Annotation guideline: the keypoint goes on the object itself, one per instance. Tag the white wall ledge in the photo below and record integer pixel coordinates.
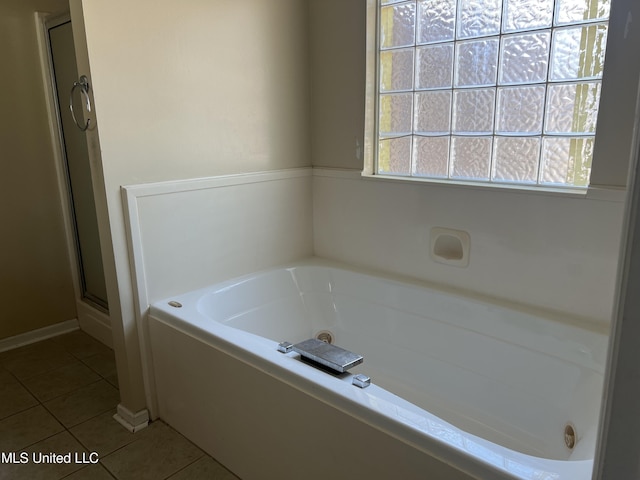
(596, 192)
(175, 186)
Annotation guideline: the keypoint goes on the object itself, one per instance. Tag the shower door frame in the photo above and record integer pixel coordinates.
(93, 316)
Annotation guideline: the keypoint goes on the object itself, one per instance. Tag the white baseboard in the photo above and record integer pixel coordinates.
(95, 323)
(38, 335)
(133, 422)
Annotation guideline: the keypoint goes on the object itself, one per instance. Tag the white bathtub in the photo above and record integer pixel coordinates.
(460, 387)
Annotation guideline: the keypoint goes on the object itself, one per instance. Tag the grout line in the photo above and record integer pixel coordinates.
(184, 468)
(83, 468)
(45, 438)
(70, 392)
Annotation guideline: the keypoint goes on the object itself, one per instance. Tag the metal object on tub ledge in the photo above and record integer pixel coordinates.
(335, 358)
(361, 380)
(285, 347)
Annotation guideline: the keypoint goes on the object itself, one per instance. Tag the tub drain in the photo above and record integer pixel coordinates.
(325, 336)
(570, 438)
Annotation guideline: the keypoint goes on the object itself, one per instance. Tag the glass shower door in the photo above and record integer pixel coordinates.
(81, 198)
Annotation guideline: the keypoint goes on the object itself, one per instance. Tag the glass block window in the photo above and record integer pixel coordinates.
(490, 90)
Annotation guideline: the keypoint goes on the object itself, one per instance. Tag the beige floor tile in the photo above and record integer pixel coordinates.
(35, 359)
(14, 397)
(62, 443)
(205, 468)
(104, 364)
(65, 374)
(60, 381)
(85, 403)
(92, 472)
(26, 428)
(80, 344)
(104, 435)
(113, 380)
(157, 456)
(44, 347)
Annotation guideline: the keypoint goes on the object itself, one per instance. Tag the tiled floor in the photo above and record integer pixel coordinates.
(59, 396)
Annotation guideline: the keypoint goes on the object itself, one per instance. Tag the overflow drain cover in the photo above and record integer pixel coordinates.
(325, 336)
(570, 436)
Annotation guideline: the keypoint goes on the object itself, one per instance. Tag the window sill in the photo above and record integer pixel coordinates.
(600, 193)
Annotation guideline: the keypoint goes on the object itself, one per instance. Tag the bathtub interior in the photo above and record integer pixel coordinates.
(511, 377)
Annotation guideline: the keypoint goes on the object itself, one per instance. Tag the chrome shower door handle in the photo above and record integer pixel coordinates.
(83, 84)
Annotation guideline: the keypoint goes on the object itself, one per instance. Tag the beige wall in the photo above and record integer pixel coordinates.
(183, 90)
(36, 287)
(337, 82)
(617, 117)
(199, 88)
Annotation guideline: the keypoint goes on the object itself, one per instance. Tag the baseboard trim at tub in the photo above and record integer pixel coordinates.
(95, 323)
(38, 335)
(134, 422)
